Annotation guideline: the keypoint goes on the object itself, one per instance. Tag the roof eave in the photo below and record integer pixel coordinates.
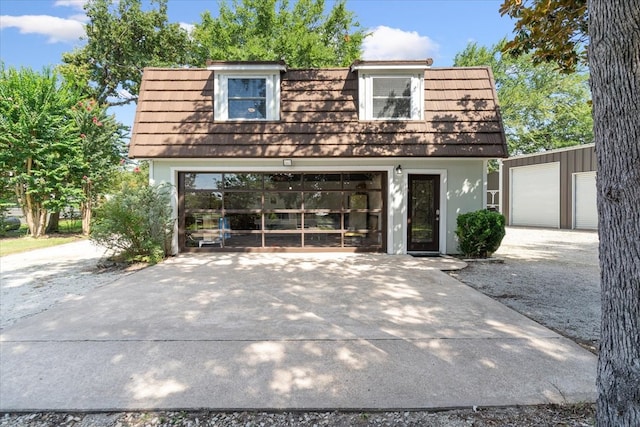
(422, 64)
(247, 66)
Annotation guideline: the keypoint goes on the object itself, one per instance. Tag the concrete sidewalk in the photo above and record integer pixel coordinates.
(248, 331)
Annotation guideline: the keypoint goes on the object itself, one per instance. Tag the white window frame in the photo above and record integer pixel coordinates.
(365, 89)
(221, 94)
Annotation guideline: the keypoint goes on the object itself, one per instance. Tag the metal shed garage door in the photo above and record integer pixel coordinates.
(535, 195)
(584, 201)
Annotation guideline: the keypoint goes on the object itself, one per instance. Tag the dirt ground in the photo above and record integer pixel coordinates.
(551, 276)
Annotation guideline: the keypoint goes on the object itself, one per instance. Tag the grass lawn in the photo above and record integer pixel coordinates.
(19, 240)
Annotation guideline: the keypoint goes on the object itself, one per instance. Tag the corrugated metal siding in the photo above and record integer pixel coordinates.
(572, 160)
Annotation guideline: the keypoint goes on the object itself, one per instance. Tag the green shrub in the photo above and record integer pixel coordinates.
(5, 225)
(480, 233)
(136, 223)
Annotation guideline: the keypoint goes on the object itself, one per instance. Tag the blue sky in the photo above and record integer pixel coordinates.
(35, 33)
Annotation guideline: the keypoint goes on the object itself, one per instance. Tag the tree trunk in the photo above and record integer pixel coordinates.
(85, 208)
(54, 222)
(34, 214)
(614, 62)
(41, 226)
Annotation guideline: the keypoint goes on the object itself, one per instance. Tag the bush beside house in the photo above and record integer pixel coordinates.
(480, 233)
(136, 223)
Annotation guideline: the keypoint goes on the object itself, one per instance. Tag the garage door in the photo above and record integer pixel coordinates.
(535, 195)
(584, 201)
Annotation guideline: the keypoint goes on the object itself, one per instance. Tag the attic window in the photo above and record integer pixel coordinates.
(247, 98)
(246, 91)
(391, 90)
(391, 97)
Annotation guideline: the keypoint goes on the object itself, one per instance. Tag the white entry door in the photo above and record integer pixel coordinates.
(535, 195)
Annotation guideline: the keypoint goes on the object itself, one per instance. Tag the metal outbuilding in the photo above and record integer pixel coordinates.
(555, 189)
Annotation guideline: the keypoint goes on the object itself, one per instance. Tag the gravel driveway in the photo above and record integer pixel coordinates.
(34, 281)
(551, 276)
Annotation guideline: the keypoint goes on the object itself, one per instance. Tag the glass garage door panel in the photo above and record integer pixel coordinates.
(283, 181)
(243, 181)
(325, 181)
(242, 201)
(282, 240)
(281, 210)
(282, 200)
(323, 200)
(202, 181)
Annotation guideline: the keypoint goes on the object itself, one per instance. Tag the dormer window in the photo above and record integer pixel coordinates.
(246, 98)
(391, 90)
(247, 91)
(391, 97)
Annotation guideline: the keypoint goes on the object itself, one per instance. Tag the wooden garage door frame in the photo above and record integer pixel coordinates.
(536, 201)
(585, 212)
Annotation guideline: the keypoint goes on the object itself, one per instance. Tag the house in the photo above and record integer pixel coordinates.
(555, 189)
(380, 156)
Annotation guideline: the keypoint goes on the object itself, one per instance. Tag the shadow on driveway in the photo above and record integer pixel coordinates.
(248, 331)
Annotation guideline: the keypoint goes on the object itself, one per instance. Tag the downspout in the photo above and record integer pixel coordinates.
(500, 194)
(485, 184)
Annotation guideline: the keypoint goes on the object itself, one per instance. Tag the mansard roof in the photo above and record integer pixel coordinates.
(318, 118)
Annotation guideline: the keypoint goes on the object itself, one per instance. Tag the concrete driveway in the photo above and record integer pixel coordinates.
(248, 331)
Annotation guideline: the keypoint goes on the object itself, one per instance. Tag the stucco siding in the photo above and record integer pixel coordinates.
(462, 185)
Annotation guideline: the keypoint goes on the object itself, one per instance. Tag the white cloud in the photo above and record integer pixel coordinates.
(76, 4)
(393, 43)
(123, 93)
(81, 17)
(187, 27)
(57, 29)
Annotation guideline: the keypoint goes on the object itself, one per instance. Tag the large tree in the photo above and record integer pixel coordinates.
(550, 30)
(56, 148)
(39, 149)
(122, 39)
(102, 149)
(303, 33)
(542, 108)
(614, 60)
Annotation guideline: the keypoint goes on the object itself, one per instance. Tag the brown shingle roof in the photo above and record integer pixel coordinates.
(318, 118)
